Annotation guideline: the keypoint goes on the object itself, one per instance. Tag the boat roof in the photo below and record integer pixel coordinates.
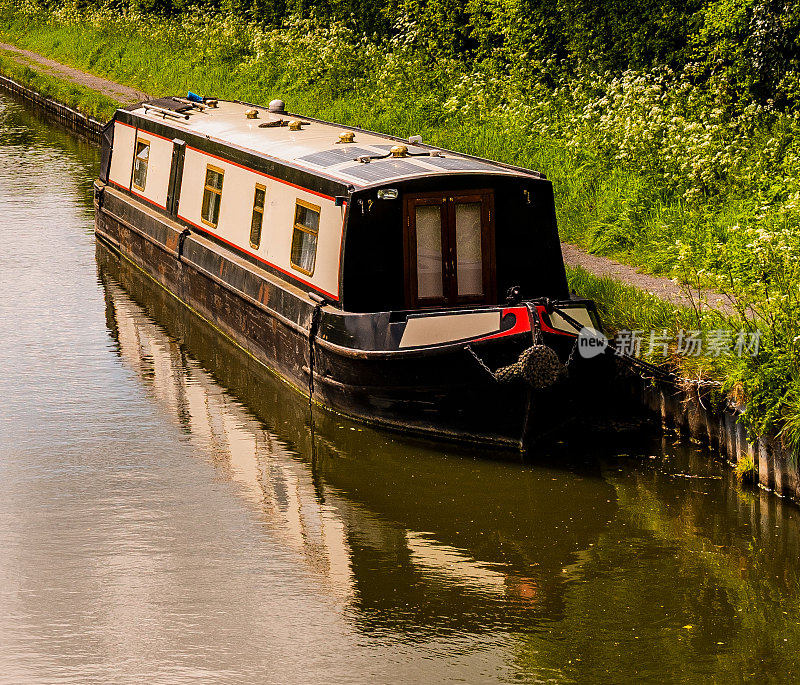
(316, 147)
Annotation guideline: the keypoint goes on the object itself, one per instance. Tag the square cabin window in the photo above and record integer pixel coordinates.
(212, 196)
(304, 237)
(258, 216)
(140, 160)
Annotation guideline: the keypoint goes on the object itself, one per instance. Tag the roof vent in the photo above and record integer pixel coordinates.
(295, 125)
(277, 107)
(251, 114)
(399, 151)
(347, 137)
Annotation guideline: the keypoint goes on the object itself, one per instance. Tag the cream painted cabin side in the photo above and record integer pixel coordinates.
(237, 198)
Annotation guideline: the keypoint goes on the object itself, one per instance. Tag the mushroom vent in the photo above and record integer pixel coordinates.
(277, 107)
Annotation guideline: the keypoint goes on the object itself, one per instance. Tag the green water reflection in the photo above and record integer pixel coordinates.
(650, 564)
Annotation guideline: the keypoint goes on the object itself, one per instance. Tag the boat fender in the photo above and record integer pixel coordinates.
(539, 366)
(185, 233)
(98, 194)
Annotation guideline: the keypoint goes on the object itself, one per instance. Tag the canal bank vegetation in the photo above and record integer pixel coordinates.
(83, 99)
(670, 130)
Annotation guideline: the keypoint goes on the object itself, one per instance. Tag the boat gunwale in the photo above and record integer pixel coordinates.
(440, 349)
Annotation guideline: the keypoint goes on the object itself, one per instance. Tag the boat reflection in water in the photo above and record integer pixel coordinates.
(406, 535)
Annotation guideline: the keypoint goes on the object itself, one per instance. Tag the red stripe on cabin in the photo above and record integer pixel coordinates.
(149, 133)
(133, 192)
(260, 259)
(152, 202)
(246, 168)
(261, 173)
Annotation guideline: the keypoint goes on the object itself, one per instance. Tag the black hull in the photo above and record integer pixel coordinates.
(441, 393)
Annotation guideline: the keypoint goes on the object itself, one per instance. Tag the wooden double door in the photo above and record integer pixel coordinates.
(449, 248)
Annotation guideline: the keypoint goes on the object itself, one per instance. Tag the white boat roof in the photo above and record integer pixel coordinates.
(316, 146)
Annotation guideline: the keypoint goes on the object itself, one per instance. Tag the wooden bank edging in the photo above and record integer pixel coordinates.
(717, 425)
(87, 126)
(683, 409)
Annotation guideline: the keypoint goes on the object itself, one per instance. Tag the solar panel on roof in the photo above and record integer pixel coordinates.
(328, 158)
(383, 168)
(411, 148)
(458, 164)
(171, 104)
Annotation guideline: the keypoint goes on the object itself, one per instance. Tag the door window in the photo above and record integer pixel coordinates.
(449, 249)
(469, 251)
(429, 252)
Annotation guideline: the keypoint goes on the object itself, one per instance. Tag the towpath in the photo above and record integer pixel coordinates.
(664, 288)
(116, 91)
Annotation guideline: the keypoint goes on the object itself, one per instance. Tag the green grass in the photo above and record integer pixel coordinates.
(746, 471)
(78, 97)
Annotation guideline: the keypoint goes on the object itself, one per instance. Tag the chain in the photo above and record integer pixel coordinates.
(571, 356)
(480, 361)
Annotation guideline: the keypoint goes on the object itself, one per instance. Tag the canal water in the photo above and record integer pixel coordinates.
(171, 513)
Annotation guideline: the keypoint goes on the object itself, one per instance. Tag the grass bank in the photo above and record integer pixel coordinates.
(78, 97)
(648, 167)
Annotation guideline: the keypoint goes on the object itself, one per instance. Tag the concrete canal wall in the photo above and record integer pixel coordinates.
(687, 410)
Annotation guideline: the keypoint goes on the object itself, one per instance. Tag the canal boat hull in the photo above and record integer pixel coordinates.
(443, 392)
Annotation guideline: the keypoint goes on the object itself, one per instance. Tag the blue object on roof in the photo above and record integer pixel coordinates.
(194, 97)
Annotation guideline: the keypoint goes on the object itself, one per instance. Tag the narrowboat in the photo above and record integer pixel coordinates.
(385, 279)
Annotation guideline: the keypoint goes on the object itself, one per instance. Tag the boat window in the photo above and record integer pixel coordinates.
(258, 216)
(140, 160)
(212, 196)
(429, 251)
(469, 256)
(304, 237)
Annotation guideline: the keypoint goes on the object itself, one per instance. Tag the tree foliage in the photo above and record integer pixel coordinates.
(755, 43)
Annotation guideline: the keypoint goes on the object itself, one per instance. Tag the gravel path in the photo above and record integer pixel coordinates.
(116, 91)
(664, 288)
